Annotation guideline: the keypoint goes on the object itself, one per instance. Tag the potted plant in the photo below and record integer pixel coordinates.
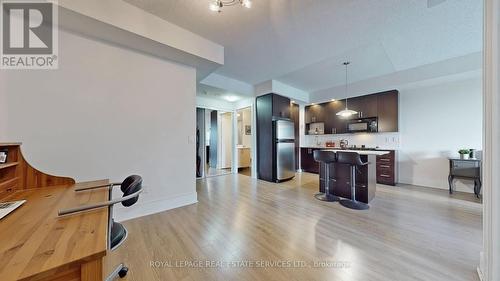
(464, 153)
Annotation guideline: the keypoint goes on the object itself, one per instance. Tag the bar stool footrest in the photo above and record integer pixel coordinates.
(355, 205)
(326, 197)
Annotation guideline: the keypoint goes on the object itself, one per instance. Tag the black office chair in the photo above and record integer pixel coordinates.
(327, 158)
(354, 161)
(131, 188)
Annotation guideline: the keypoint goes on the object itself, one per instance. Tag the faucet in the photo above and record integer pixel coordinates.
(344, 143)
(318, 143)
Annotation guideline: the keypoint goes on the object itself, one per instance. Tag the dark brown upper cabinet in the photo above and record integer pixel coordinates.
(388, 111)
(281, 106)
(366, 106)
(314, 113)
(333, 123)
(383, 105)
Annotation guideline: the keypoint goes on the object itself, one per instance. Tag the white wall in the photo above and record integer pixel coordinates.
(225, 142)
(274, 86)
(435, 122)
(106, 113)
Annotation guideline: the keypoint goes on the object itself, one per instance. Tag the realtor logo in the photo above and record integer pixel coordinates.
(29, 35)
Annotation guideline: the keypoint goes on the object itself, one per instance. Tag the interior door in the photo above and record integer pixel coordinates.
(213, 139)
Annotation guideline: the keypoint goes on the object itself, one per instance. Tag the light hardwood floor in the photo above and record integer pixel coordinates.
(409, 233)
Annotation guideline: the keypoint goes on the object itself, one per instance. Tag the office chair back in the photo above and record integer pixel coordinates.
(131, 185)
(117, 233)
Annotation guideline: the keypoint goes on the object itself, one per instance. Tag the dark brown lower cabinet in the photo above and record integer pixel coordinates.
(340, 180)
(307, 160)
(386, 165)
(386, 168)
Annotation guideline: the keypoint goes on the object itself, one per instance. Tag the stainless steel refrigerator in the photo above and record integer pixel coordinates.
(284, 142)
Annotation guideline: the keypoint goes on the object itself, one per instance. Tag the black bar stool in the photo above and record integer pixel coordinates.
(354, 161)
(327, 158)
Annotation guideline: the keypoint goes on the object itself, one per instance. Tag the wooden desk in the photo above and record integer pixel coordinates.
(36, 244)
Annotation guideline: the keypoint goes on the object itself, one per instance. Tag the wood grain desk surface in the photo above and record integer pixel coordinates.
(34, 241)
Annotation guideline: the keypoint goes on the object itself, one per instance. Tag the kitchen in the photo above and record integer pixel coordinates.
(275, 127)
(370, 125)
(375, 114)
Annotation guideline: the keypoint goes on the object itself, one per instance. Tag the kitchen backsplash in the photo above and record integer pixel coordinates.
(382, 140)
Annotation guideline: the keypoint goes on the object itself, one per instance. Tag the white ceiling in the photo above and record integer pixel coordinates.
(219, 93)
(304, 42)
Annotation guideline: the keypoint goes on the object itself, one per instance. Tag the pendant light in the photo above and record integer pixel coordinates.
(346, 112)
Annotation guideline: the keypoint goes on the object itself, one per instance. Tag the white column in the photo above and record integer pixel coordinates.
(489, 268)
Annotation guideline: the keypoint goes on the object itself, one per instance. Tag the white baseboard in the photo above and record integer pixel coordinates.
(152, 207)
(459, 186)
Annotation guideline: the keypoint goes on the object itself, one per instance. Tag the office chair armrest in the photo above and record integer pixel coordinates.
(98, 186)
(98, 205)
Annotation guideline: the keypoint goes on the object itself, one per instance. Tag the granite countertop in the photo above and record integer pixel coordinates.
(351, 148)
(360, 152)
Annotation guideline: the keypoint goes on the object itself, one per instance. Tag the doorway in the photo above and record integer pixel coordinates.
(214, 142)
(244, 142)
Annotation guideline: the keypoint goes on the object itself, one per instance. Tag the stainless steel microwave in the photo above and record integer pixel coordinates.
(363, 125)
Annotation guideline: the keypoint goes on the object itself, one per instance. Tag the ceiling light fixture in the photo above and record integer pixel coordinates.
(231, 98)
(346, 112)
(217, 5)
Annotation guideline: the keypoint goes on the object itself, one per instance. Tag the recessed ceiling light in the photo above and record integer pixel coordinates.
(214, 7)
(313, 103)
(246, 3)
(231, 98)
(293, 101)
(333, 99)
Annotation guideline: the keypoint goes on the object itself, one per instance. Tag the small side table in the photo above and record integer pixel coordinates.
(465, 169)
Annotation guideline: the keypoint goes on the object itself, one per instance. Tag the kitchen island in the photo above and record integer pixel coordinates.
(366, 178)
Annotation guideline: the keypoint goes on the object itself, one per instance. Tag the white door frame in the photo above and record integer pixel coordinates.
(253, 149)
(233, 144)
(489, 269)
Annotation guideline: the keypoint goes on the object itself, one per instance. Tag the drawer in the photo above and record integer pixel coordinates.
(465, 168)
(385, 175)
(386, 181)
(387, 158)
(385, 166)
(9, 185)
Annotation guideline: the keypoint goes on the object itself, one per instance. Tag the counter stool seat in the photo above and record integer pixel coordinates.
(327, 158)
(354, 161)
